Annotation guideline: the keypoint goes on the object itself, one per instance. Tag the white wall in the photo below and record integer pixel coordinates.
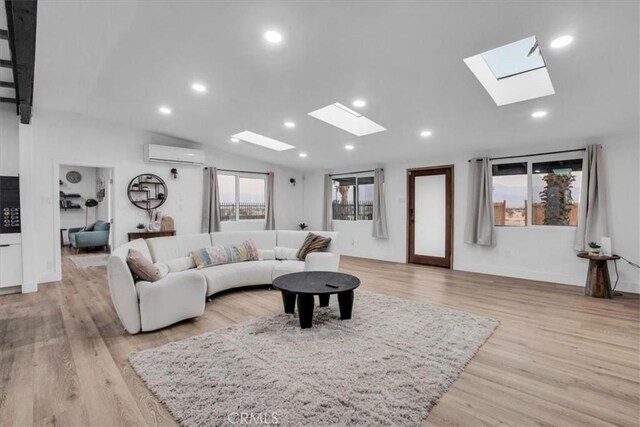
(61, 138)
(9, 121)
(539, 253)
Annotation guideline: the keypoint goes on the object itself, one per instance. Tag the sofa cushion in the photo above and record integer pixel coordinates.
(89, 227)
(164, 249)
(285, 253)
(266, 254)
(180, 264)
(141, 267)
(286, 267)
(263, 239)
(225, 254)
(227, 276)
(313, 243)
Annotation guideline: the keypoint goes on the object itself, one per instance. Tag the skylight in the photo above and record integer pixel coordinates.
(262, 141)
(512, 73)
(346, 119)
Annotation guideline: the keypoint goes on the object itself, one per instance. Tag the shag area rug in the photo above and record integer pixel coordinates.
(387, 366)
(84, 261)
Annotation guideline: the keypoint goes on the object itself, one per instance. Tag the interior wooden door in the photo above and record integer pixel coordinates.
(430, 216)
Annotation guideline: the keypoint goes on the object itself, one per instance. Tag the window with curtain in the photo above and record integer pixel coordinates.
(242, 196)
(352, 198)
(542, 191)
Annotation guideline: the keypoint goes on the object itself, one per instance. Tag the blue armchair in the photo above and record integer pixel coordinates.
(98, 236)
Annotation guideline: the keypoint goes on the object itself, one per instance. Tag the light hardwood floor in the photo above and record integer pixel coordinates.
(557, 358)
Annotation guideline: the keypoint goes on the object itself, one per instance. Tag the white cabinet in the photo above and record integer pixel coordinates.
(10, 260)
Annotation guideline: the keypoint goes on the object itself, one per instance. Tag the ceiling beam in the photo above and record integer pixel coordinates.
(10, 85)
(4, 35)
(21, 19)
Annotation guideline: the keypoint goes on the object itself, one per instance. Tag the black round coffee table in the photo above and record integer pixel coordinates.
(304, 285)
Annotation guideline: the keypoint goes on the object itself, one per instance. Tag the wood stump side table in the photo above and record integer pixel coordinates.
(598, 284)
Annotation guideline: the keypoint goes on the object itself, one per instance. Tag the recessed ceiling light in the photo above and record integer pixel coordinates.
(349, 147)
(538, 114)
(273, 37)
(425, 133)
(164, 110)
(290, 124)
(561, 41)
(235, 140)
(359, 103)
(302, 155)
(199, 87)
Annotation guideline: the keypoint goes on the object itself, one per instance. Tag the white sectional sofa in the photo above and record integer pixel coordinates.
(146, 306)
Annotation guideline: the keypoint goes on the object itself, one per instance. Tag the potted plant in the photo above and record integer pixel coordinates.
(140, 226)
(161, 196)
(135, 186)
(302, 226)
(594, 248)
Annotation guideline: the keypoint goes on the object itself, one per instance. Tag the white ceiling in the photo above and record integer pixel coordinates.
(119, 61)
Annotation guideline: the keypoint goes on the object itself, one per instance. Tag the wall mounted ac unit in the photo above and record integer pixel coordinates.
(167, 154)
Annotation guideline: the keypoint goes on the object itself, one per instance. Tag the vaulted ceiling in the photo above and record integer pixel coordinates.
(119, 61)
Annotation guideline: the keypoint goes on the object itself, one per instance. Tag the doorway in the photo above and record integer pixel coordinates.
(85, 209)
(430, 216)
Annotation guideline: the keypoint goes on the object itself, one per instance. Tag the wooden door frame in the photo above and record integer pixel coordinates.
(448, 259)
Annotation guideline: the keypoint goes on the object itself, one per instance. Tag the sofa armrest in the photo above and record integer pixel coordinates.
(91, 238)
(123, 293)
(175, 297)
(322, 261)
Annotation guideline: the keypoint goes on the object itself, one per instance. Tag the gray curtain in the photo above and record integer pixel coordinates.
(326, 215)
(592, 213)
(379, 206)
(479, 222)
(270, 223)
(210, 201)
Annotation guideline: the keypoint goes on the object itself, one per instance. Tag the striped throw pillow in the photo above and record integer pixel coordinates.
(313, 243)
(225, 254)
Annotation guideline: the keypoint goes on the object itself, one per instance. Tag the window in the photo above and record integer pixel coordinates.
(552, 183)
(353, 198)
(556, 192)
(242, 197)
(510, 194)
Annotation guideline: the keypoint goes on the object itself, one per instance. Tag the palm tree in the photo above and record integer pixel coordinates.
(557, 199)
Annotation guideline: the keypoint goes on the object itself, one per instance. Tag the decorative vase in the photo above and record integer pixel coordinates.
(594, 251)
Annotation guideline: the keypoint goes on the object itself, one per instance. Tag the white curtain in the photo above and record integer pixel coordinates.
(592, 213)
(326, 215)
(270, 223)
(210, 201)
(379, 206)
(479, 222)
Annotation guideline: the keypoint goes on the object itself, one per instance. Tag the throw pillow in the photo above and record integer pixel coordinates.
(162, 268)
(141, 267)
(225, 254)
(313, 243)
(89, 227)
(180, 264)
(282, 253)
(266, 254)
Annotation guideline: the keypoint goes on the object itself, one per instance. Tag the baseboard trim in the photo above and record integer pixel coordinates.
(565, 279)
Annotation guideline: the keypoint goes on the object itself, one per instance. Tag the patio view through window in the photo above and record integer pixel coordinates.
(353, 198)
(555, 192)
(241, 197)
